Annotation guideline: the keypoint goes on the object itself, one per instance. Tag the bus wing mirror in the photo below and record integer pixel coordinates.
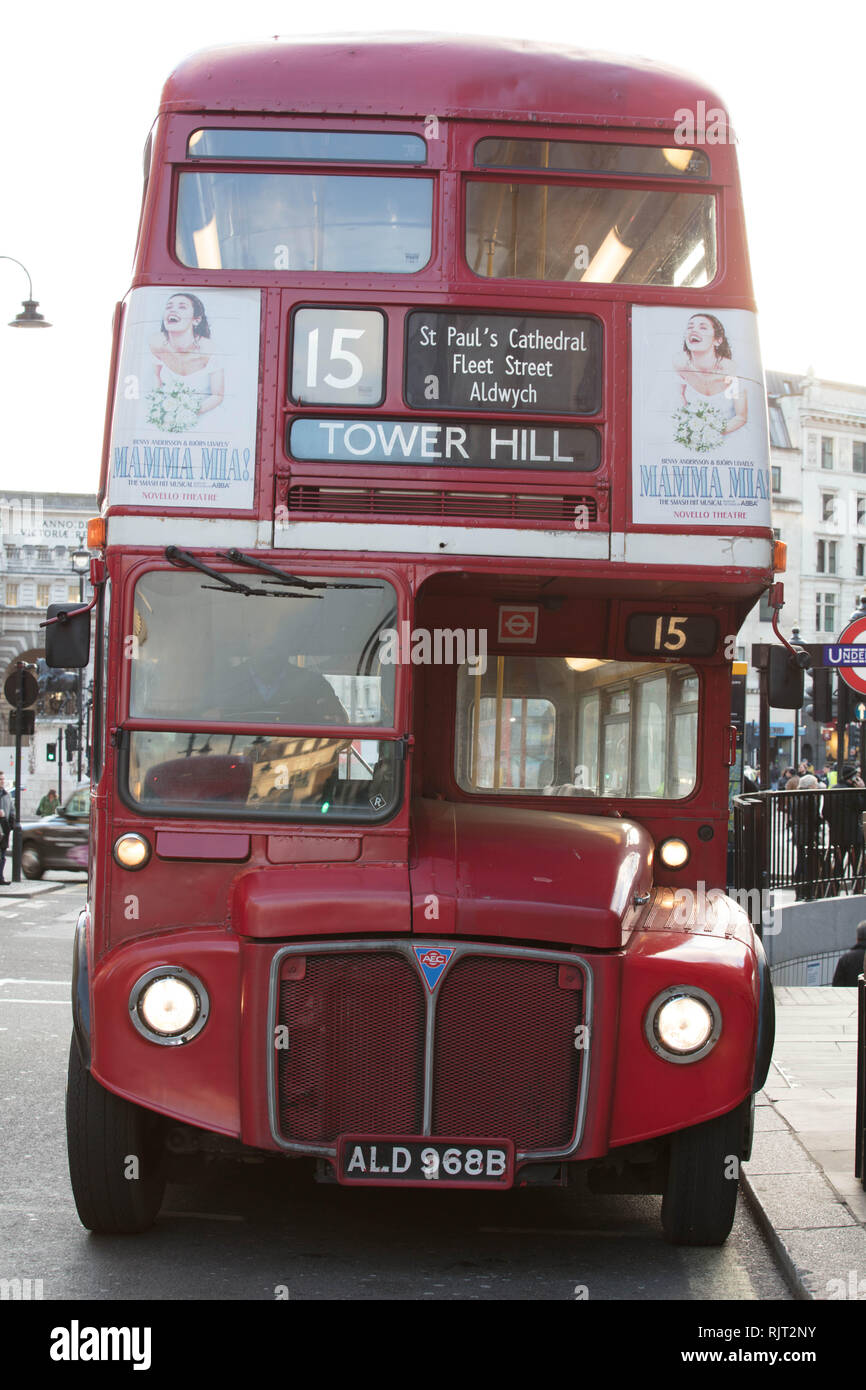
(67, 642)
(784, 680)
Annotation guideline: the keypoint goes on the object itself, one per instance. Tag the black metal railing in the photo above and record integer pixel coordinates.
(860, 1122)
(809, 841)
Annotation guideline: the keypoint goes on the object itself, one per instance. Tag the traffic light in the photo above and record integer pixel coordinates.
(819, 695)
(51, 752)
(785, 678)
(71, 740)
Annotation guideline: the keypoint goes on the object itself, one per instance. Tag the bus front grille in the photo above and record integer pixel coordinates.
(364, 1046)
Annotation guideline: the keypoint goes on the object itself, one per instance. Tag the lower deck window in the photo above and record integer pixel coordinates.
(282, 776)
(578, 726)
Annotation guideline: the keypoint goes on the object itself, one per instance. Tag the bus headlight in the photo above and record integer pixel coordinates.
(674, 853)
(683, 1023)
(131, 851)
(169, 1005)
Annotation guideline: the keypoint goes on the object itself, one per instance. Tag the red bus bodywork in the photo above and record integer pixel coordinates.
(551, 917)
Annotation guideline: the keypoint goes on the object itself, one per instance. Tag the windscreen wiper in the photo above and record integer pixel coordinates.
(225, 583)
(239, 558)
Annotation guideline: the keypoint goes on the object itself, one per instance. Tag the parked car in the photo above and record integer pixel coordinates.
(59, 841)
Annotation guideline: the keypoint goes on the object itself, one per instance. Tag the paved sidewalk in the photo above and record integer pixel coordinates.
(29, 887)
(801, 1173)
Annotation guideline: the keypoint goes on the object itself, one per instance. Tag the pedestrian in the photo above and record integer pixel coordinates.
(843, 817)
(804, 836)
(7, 820)
(48, 804)
(850, 965)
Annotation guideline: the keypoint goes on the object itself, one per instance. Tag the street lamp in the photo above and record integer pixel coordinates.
(856, 709)
(30, 318)
(80, 565)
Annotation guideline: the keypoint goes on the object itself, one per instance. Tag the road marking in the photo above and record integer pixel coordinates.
(17, 980)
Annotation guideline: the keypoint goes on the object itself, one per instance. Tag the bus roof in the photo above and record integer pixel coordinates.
(416, 75)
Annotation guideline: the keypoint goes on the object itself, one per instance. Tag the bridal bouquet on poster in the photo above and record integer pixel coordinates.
(173, 408)
(699, 427)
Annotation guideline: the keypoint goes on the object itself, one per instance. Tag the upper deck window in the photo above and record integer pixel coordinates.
(321, 146)
(304, 222)
(583, 156)
(627, 236)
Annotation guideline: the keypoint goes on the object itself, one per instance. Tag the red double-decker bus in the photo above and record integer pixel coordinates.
(435, 485)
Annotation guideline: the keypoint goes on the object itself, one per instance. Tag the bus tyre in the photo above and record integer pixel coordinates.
(700, 1195)
(115, 1156)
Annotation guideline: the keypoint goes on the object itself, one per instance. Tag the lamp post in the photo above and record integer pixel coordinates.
(80, 566)
(29, 318)
(860, 612)
(795, 742)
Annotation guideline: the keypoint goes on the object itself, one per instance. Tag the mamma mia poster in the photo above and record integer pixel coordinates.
(700, 449)
(184, 425)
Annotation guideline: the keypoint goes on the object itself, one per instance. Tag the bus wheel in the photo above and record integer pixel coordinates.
(700, 1195)
(115, 1156)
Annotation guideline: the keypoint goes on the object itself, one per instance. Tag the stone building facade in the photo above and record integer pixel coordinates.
(818, 475)
(38, 534)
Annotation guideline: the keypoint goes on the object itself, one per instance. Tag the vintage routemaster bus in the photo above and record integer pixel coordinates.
(435, 485)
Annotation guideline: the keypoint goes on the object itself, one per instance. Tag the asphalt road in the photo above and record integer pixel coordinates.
(267, 1231)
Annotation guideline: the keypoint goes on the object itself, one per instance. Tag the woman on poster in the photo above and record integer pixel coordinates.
(188, 381)
(714, 398)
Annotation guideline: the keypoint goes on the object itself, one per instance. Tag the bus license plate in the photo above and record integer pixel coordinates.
(424, 1162)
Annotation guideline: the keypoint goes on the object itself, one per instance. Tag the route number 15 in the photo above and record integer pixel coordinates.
(670, 634)
(338, 357)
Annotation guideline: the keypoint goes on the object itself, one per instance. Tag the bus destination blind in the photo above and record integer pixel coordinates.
(446, 443)
(537, 363)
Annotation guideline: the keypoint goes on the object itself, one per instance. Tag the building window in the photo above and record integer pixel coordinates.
(861, 509)
(776, 478)
(72, 593)
(43, 595)
(825, 612)
(828, 506)
(11, 595)
(826, 559)
(829, 612)
(741, 654)
(858, 563)
(826, 451)
(858, 455)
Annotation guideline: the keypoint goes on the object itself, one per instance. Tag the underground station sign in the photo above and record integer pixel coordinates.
(537, 363)
(848, 655)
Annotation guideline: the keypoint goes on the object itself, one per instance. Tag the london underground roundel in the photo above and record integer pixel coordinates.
(848, 655)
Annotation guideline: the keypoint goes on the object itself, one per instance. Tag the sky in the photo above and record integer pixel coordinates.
(80, 85)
